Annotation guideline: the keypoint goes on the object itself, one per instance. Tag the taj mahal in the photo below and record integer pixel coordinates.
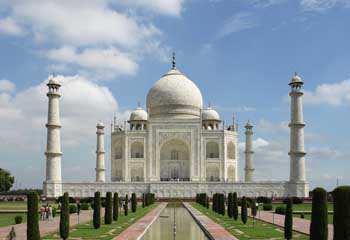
(175, 148)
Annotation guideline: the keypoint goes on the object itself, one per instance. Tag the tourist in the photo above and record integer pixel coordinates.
(12, 234)
(42, 213)
(50, 217)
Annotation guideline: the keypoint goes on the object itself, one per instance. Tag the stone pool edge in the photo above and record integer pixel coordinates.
(138, 229)
(211, 229)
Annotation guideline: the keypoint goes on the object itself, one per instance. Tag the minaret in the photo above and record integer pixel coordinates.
(248, 153)
(100, 154)
(296, 125)
(53, 146)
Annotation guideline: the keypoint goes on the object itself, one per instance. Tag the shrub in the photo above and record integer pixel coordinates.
(244, 212)
(253, 208)
(267, 206)
(235, 206)
(143, 200)
(230, 205)
(295, 200)
(319, 217)
(73, 208)
(207, 202)
(18, 219)
(341, 216)
(288, 220)
(302, 215)
(32, 217)
(280, 210)
(97, 210)
(126, 205)
(85, 206)
(108, 208)
(64, 218)
(54, 212)
(115, 206)
(262, 199)
(133, 202)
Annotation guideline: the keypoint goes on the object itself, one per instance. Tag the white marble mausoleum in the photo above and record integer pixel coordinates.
(175, 147)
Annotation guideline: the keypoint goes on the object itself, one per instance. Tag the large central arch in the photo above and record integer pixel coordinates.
(174, 161)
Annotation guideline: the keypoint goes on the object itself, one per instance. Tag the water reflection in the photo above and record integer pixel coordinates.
(186, 227)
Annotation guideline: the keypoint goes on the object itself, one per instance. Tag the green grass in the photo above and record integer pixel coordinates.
(302, 206)
(7, 219)
(308, 216)
(258, 230)
(106, 232)
(13, 205)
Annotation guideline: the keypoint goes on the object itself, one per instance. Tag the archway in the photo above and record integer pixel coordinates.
(231, 173)
(174, 161)
(137, 150)
(231, 150)
(212, 150)
(213, 173)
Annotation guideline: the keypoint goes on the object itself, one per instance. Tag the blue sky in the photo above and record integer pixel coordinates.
(241, 54)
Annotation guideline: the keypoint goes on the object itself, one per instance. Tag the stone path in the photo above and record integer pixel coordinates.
(138, 229)
(299, 224)
(211, 228)
(46, 227)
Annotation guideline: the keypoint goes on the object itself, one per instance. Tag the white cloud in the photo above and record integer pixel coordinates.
(6, 86)
(322, 5)
(9, 26)
(266, 3)
(236, 23)
(334, 94)
(168, 7)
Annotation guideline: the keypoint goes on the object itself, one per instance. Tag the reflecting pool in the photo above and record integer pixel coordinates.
(163, 227)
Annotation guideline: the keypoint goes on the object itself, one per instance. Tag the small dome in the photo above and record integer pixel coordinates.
(53, 81)
(296, 79)
(139, 115)
(100, 125)
(174, 96)
(210, 114)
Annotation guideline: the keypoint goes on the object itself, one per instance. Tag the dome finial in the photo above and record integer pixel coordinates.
(138, 103)
(173, 61)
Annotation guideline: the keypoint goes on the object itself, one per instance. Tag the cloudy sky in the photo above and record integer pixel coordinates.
(241, 54)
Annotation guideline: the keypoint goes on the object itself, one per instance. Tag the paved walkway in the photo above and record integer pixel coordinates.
(299, 224)
(138, 229)
(211, 228)
(46, 227)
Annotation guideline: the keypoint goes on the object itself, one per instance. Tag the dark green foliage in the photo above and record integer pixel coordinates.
(25, 191)
(18, 219)
(262, 199)
(143, 200)
(244, 211)
(288, 220)
(64, 218)
(97, 210)
(341, 217)
(222, 204)
(73, 208)
(60, 199)
(280, 210)
(253, 208)
(230, 205)
(267, 206)
(207, 202)
(201, 198)
(213, 207)
(133, 202)
(32, 217)
(115, 206)
(6, 180)
(126, 205)
(149, 199)
(235, 206)
(108, 208)
(295, 200)
(319, 217)
(85, 206)
(218, 203)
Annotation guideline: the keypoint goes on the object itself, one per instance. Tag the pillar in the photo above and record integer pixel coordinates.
(100, 154)
(296, 125)
(248, 170)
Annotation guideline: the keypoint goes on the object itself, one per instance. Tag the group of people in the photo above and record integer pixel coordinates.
(46, 212)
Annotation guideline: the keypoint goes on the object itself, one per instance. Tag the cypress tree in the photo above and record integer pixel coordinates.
(97, 210)
(33, 232)
(115, 206)
(244, 213)
(213, 205)
(133, 202)
(288, 220)
(126, 205)
(319, 217)
(207, 202)
(235, 206)
(222, 204)
(341, 216)
(108, 208)
(143, 200)
(64, 217)
(230, 205)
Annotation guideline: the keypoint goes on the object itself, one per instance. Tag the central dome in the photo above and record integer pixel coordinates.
(174, 96)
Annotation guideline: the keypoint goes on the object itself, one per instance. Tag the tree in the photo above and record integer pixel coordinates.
(235, 206)
(115, 206)
(108, 208)
(64, 217)
(288, 220)
(341, 215)
(207, 202)
(230, 205)
(6, 180)
(126, 205)
(143, 200)
(253, 209)
(319, 217)
(97, 210)
(33, 232)
(244, 212)
(133, 202)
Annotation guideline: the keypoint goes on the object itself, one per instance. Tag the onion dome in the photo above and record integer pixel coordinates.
(100, 125)
(139, 115)
(210, 114)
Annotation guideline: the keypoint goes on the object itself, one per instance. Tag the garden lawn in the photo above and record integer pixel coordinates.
(302, 206)
(20, 205)
(308, 216)
(258, 230)
(7, 219)
(106, 232)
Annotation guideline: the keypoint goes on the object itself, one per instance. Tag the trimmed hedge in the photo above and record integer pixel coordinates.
(85, 206)
(244, 211)
(235, 206)
(73, 208)
(97, 210)
(280, 210)
(230, 205)
(108, 208)
(267, 206)
(319, 216)
(115, 206)
(341, 216)
(133, 202)
(18, 219)
(64, 218)
(126, 205)
(288, 220)
(33, 232)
